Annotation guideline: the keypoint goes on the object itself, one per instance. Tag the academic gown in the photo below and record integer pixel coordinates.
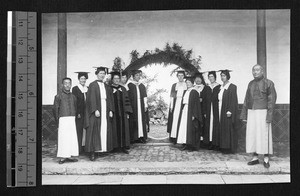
(80, 96)
(193, 127)
(228, 126)
(120, 120)
(133, 118)
(171, 115)
(201, 91)
(93, 103)
(210, 99)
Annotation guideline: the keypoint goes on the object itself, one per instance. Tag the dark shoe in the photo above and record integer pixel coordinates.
(125, 151)
(127, 147)
(183, 148)
(254, 162)
(72, 160)
(266, 164)
(92, 157)
(210, 147)
(61, 161)
(142, 140)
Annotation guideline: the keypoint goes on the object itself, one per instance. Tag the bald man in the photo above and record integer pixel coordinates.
(258, 113)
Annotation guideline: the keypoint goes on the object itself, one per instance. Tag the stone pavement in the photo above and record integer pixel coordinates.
(162, 158)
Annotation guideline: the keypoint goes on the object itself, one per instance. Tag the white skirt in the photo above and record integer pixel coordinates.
(176, 111)
(258, 133)
(182, 132)
(67, 137)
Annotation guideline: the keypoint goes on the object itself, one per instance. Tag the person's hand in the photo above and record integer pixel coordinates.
(228, 115)
(97, 113)
(110, 114)
(204, 115)
(127, 116)
(146, 109)
(193, 117)
(78, 116)
(201, 100)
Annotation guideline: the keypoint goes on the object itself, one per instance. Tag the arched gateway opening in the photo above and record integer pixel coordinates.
(171, 55)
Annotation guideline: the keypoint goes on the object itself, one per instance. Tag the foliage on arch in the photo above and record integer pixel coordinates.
(174, 54)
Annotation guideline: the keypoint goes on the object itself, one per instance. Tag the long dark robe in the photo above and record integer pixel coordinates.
(133, 118)
(228, 131)
(80, 110)
(193, 126)
(201, 97)
(211, 97)
(93, 103)
(170, 115)
(120, 120)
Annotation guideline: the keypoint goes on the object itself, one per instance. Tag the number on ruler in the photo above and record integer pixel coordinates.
(31, 93)
(20, 23)
(30, 183)
(20, 150)
(20, 78)
(31, 139)
(20, 60)
(20, 42)
(20, 168)
(30, 48)
(20, 96)
(20, 115)
(20, 132)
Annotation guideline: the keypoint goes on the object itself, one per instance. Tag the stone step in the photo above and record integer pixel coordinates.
(165, 168)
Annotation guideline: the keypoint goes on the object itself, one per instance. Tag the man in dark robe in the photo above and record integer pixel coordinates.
(228, 112)
(211, 113)
(80, 92)
(190, 118)
(177, 91)
(138, 119)
(122, 111)
(64, 113)
(258, 111)
(100, 109)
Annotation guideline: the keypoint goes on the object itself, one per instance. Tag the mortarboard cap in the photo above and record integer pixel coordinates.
(101, 68)
(82, 73)
(115, 73)
(226, 72)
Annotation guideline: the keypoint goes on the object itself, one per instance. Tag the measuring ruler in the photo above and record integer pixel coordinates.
(21, 132)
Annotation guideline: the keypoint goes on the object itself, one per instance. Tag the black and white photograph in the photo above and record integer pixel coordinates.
(166, 97)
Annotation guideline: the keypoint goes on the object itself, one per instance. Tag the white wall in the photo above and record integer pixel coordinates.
(224, 39)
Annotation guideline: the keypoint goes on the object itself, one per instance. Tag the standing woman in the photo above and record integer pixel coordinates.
(177, 91)
(138, 99)
(190, 118)
(199, 87)
(228, 109)
(211, 112)
(122, 111)
(124, 79)
(80, 93)
(100, 109)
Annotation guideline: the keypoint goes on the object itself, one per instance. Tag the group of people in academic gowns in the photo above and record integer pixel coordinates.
(205, 115)
(105, 117)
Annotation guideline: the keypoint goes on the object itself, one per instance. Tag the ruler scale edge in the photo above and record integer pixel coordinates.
(22, 148)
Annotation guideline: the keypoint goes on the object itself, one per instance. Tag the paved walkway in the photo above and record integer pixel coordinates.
(164, 158)
(162, 179)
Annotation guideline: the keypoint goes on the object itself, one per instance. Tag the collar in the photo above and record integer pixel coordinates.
(66, 92)
(226, 86)
(83, 89)
(259, 79)
(100, 81)
(135, 82)
(213, 85)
